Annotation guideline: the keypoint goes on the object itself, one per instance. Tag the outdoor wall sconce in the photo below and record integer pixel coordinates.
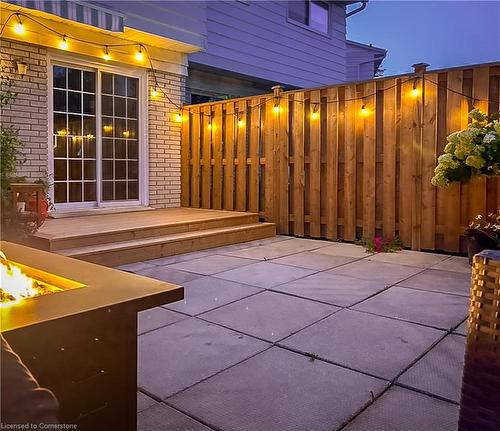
(22, 68)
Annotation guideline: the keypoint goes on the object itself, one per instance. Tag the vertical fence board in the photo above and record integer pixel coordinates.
(269, 171)
(195, 158)
(351, 114)
(389, 160)
(206, 170)
(253, 174)
(452, 195)
(314, 166)
(298, 163)
(229, 142)
(283, 160)
(241, 167)
(217, 158)
(185, 164)
(369, 162)
(332, 164)
(429, 156)
(417, 153)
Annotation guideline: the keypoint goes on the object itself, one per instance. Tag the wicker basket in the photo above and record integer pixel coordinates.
(480, 401)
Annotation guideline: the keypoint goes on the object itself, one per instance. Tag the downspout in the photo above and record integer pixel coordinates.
(359, 9)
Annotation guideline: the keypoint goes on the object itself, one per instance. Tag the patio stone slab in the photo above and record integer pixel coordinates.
(410, 258)
(165, 418)
(429, 308)
(265, 274)
(279, 390)
(439, 372)
(457, 283)
(372, 344)
(144, 402)
(268, 315)
(168, 274)
(342, 249)
(244, 245)
(206, 293)
(333, 289)
(454, 263)
(387, 273)
(462, 328)
(168, 260)
(177, 356)
(211, 264)
(310, 260)
(137, 266)
(155, 318)
(400, 409)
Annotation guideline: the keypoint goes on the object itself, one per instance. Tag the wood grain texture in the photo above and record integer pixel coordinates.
(314, 165)
(352, 115)
(217, 158)
(298, 165)
(369, 160)
(332, 163)
(185, 163)
(229, 144)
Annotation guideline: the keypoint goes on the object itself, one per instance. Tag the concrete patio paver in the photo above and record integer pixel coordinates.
(168, 260)
(429, 308)
(268, 315)
(144, 402)
(333, 289)
(376, 345)
(400, 409)
(387, 273)
(343, 249)
(177, 356)
(170, 275)
(265, 274)
(161, 417)
(279, 390)
(409, 258)
(462, 328)
(206, 293)
(155, 318)
(137, 266)
(454, 263)
(439, 281)
(439, 372)
(311, 260)
(211, 264)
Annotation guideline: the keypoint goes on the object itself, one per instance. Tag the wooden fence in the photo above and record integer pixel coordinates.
(346, 161)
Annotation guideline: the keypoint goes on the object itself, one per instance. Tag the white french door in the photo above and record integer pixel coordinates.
(97, 137)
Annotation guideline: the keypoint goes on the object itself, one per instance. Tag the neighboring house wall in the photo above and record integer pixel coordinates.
(363, 61)
(257, 39)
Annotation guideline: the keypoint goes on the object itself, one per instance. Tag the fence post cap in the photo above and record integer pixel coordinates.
(420, 67)
(277, 89)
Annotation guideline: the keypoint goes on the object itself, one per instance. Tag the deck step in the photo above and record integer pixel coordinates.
(111, 233)
(139, 249)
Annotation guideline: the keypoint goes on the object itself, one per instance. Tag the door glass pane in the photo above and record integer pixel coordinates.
(74, 142)
(120, 148)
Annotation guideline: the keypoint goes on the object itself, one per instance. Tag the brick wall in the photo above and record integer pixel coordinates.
(29, 111)
(165, 141)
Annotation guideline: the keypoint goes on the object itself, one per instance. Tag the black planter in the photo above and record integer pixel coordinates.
(477, 241)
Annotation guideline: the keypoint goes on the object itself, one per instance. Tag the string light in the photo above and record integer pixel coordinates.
(415, 92)
(276, 108)
(154, 92)
(241, 123)
(139, 56)
(106, 55)
(314, 113)
(364, 112)
(18, 26)
(63, 44)
(178, 118)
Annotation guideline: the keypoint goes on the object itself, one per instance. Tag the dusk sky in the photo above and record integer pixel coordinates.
(441, 33)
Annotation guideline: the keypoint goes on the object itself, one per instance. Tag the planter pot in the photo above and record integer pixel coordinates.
(42, 210)
(477, 241)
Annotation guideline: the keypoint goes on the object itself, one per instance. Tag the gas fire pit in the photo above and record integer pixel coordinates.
(74, 324)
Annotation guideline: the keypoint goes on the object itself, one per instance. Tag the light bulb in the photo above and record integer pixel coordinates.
(154, 93)
(364, 111)
(415, 92)
(209, 126)
(178, 118)
(18, 26)
(106, 55)
(241, 123)
(63, 44)
(314, 116)
(276, 109)
(139, 56)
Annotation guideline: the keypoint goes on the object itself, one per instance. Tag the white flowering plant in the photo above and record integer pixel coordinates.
(470, 152)
(489, 225)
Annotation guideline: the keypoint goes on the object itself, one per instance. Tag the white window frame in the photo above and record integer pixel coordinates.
(308, 27)
(84, 63)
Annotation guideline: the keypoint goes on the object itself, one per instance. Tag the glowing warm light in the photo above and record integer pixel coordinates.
(139, 56)
(90, 136)
(364, 112)
(18, 27)
(107, 128)
(241, 123)
(106, 55)
(276, 109)
(415, 92)
(178, 118)
(62, 132)
(14, 284)
(210, 126)
(63, 44)
(314, 115)
(126, 134)
(154, 93)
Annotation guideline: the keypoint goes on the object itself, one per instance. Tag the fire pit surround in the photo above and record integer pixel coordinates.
(77, 331)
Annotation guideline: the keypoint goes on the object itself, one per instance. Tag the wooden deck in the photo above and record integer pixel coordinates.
(114, 239)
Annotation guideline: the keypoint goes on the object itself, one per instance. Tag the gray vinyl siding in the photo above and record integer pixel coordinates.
(183, 21)
(361, 62)
(256, 39)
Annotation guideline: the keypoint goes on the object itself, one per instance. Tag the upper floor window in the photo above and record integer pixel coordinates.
(314, 14)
